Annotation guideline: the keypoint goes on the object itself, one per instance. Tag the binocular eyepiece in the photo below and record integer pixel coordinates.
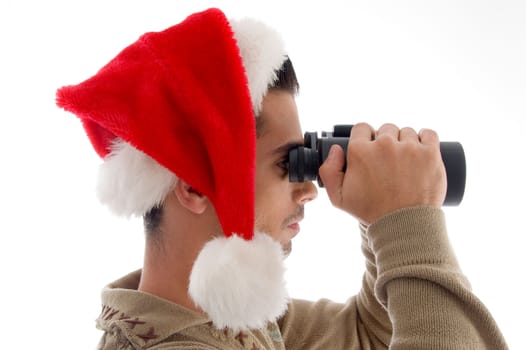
(305, 161)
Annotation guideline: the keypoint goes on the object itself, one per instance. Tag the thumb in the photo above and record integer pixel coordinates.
(331, 174)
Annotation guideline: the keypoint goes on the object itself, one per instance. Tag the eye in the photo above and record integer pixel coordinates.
(283, 164)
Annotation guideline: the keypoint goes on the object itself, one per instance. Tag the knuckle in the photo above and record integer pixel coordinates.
(389, 126)
(385, 142)
(408, 129)
(362, 125)
(428, 132)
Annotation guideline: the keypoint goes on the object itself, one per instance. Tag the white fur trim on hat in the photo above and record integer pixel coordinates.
(240, 284)
(130, 182)
(263, 52)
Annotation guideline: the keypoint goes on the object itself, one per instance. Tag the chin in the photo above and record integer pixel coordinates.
(285, 247)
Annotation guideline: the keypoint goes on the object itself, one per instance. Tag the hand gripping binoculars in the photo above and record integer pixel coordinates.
(305, 161)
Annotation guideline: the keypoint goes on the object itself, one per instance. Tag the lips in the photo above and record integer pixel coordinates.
(292, 223)
(295, 227)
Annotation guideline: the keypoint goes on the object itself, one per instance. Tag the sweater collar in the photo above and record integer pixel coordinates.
(144, 318)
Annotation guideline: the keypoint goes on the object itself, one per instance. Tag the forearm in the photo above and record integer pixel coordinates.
(421, 285)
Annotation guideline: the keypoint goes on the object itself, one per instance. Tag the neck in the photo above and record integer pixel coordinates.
(169, 258)
(166, 274)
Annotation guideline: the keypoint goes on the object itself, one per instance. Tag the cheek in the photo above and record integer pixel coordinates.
(272, 190)
(269, 203)
(273, 205)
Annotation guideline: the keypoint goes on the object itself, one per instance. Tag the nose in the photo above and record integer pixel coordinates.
(305, 192)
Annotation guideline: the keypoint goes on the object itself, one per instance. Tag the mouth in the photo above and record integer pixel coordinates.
(295, 227)
(292, 224)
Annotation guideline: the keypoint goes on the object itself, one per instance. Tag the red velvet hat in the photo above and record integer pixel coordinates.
(181, 103)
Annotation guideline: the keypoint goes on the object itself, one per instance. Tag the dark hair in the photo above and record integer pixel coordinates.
(152, 219)
(285, 80)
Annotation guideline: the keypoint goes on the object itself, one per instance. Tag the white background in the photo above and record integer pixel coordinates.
(456, 66)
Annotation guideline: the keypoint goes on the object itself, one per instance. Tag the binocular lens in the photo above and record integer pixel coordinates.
(303, 164)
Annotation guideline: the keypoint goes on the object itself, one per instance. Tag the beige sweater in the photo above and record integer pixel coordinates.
(414, 296)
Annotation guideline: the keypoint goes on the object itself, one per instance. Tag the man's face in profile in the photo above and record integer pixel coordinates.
(279, 203)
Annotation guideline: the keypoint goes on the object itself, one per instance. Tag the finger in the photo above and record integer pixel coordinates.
(388, 130)
(362, 131)
(331, 174)
(408, 135)
(428, 137)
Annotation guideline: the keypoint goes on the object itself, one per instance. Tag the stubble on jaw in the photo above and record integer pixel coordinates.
(287, 249)
(261, 227)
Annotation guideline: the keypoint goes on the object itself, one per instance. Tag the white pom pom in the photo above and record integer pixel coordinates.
(240, 284)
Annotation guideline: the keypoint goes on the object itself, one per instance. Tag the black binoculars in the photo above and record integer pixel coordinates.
(305, 161)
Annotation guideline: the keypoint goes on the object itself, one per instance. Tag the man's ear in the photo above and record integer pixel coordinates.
(190, 198)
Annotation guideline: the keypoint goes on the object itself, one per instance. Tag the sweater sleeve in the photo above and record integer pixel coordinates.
(361, 323)
(413, 296)
(420, 282)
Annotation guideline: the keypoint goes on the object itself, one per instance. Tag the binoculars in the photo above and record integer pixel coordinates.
(305, 161)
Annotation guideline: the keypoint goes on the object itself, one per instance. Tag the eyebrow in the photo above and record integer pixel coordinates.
(284, 149)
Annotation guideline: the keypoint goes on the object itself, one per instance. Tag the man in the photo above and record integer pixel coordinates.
(173, 118)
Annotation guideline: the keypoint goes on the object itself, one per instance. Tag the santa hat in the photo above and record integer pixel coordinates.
(181, 103)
